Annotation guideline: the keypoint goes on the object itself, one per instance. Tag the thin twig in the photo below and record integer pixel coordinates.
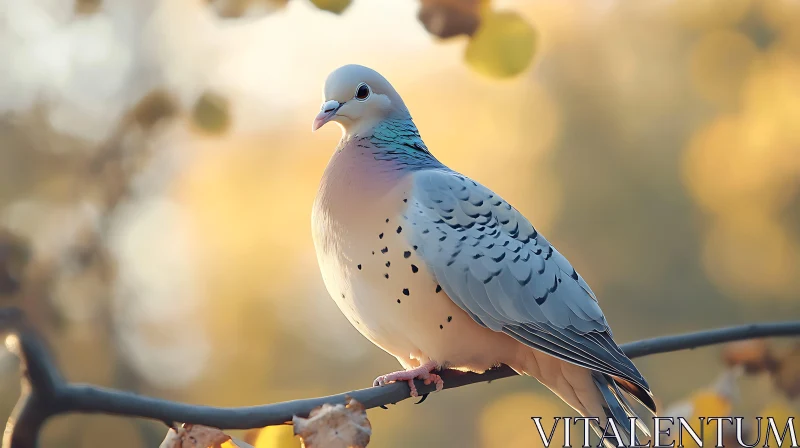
(46, 394)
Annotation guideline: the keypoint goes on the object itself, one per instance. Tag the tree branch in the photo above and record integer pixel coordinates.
(45, 393)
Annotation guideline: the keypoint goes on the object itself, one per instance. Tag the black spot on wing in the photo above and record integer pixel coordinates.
(552, 289)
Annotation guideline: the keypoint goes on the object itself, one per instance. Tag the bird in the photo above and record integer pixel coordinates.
(441, 272)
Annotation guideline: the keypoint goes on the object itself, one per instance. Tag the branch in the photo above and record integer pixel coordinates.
(45, 393)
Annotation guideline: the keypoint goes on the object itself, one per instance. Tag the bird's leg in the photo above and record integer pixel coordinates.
(422, 372)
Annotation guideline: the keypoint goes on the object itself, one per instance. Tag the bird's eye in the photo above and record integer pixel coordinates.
(362, 92)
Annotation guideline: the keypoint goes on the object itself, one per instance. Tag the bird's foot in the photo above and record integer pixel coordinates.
(422, 372)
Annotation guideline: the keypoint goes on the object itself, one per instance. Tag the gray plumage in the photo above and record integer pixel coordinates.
(440, 271)
(495, 266)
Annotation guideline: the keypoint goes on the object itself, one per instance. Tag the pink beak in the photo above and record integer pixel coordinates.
(327, 111)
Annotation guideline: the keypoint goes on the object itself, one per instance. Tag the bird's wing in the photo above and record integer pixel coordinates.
(495, 266)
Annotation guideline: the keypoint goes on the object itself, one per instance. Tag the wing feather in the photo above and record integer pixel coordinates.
(495, 266)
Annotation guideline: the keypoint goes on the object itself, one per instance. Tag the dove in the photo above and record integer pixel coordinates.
(441, 272)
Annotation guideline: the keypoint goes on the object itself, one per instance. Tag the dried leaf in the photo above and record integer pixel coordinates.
(754, 355)
(787, 373)
(157, 105)
(450, 18)
(194, 436)
(334, 426)
(87, 6)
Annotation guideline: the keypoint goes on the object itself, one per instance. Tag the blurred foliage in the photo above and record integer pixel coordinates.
(14, 255)
(503, 45)
(239, 8)
(787, 373)
(273, 437)
(87, 6)
(158, 105)
(450, 18)
(210, 113)
(747, 363)
(157, 174)
(505, 421)
(334, 6)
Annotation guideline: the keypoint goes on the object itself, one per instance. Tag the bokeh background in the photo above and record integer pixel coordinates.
(157, 172)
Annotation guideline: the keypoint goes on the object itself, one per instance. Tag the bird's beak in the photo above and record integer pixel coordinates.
(327, 111)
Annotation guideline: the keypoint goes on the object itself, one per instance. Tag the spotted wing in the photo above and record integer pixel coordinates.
(495, 266)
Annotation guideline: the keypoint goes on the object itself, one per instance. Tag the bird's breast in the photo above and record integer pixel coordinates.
(359, 198)
(378, 279)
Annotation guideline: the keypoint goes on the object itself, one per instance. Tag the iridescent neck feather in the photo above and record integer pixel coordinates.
(397, 140)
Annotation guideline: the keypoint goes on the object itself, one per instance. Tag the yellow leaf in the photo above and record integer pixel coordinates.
(709, 403)
(276, 437)
(503, 46)
(780, 412)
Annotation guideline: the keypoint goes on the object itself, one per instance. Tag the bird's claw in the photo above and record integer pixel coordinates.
(423, 373)
(424, 396)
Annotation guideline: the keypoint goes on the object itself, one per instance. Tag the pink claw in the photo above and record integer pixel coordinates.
(422, 372)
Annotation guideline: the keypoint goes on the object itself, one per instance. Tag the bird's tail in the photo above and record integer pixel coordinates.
(592, 394)
(616, 407)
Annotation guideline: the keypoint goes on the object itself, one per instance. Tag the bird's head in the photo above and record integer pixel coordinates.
(358, 98)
